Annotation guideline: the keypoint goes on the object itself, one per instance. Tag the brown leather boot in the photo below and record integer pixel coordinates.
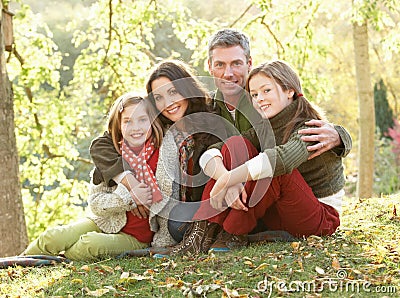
(226, 241)
(198, 238)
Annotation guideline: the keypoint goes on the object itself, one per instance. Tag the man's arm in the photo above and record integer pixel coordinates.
(328, 136)
(106, 158)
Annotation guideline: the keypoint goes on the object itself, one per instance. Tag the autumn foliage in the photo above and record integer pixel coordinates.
(394, 134)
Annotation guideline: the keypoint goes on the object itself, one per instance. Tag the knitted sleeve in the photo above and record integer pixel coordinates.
(105, 201)
(341, 151)
(106, 159)
(167, 175)
(289, 156)
(347, 142)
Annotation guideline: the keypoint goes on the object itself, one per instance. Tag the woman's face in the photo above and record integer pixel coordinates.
(169, 102)
(268, 97)
(135, 125)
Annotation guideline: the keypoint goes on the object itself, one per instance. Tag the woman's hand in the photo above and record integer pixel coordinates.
(223, 194)
(236, 197)
(142, 196)
(217, 199)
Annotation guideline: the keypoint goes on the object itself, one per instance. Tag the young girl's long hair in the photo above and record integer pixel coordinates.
(114, 118)
(283, 75)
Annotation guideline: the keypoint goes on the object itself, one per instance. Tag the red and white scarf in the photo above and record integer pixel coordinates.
(143, 172)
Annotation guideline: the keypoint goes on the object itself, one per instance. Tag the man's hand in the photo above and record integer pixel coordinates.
(324, 133)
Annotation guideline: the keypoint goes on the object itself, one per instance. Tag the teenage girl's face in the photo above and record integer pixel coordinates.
(169, 102)
(135, 125)
(268, 97)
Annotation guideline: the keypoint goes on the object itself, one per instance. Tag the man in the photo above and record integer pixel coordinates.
(229, 62)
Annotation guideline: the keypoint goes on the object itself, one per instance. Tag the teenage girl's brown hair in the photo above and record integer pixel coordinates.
(114, 118)
(284, 75)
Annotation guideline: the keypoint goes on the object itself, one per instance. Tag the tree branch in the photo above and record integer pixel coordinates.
(29, 94)
(241, 16)
(277, 42)
(110, 15)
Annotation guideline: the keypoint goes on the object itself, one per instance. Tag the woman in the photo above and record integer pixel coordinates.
(302, 196)
(182, 102)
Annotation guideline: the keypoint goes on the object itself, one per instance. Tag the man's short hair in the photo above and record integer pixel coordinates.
(228, 37)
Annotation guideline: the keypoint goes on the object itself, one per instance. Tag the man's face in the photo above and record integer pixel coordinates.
(229, 68)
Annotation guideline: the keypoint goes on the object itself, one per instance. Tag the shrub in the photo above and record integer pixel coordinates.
(387, 167)
(394, 133)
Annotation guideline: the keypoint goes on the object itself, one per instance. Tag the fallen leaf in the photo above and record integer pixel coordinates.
(133, 278)
(173, 282)
(97, 293)
(150, 272)
(85, 268)
(261, 266)
(111, 288)
(335, 264)
(218, 282)
(124, 275)
(248, 263)
(230, 293)
(300, 262)
(107, 268)
(319, 270)
(295, 245)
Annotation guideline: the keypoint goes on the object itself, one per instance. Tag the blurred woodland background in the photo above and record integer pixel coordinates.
(72, 58)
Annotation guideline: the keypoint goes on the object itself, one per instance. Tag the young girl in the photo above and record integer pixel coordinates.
(112, 228)
(284, 188)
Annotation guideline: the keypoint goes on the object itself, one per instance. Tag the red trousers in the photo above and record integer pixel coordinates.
(284, 203)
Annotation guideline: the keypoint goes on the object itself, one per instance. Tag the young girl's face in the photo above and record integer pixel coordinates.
(135, 125)
(169, 102)
(268, 97)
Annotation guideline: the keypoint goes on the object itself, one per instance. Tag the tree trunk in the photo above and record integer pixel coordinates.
(13, 235)
(366, 110)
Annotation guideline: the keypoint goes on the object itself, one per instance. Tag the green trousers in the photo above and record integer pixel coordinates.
(82, 241)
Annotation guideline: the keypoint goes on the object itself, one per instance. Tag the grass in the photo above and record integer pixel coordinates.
(360, 260)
